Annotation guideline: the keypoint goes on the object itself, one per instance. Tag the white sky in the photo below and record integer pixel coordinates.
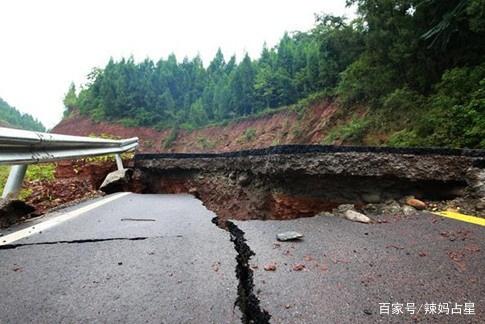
(47, 44)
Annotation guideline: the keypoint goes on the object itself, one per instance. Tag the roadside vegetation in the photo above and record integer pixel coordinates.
(249, 134)
(417, 66)
(35, 172)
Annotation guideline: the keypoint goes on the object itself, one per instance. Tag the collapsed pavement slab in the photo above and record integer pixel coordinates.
(294, 181)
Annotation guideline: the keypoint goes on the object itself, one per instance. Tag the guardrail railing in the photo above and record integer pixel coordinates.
(21, 148)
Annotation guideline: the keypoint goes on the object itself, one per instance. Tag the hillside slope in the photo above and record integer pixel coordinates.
(11, 117)
(285, 126)
(418, 71)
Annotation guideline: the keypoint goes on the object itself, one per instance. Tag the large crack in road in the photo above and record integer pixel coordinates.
(14, 246)
(247, 301)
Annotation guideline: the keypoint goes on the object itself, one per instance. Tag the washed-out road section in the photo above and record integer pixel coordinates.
(160, 259)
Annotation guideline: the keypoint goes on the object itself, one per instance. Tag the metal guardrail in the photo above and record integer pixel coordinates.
(20, 148)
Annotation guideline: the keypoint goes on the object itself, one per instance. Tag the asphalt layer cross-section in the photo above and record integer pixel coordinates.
(160, 259)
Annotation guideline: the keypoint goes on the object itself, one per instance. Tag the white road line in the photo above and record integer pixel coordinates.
(7, 239)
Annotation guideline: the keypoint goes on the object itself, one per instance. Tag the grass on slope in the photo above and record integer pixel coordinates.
(43, 171)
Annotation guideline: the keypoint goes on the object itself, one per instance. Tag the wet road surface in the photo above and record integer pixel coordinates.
(350, 268)
(160, 259)
(167, 275)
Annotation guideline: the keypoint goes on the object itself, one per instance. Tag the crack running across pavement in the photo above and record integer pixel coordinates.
(248, 303)
(14, 246)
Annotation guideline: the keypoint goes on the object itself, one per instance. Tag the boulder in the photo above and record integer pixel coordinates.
(356, 217)
(12, 211)
(116, 181)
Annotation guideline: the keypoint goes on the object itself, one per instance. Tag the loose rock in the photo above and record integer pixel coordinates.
(270, 266)
(116, 181)
(244, 179)
(288, 236)
(408, 210)
(416, 203)
(391, 207)
(356, 217)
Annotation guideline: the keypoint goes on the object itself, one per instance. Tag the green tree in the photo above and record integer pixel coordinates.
(70, 99)
(11, 117)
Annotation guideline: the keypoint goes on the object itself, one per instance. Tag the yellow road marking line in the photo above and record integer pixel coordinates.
(26, 232)
(462, 217)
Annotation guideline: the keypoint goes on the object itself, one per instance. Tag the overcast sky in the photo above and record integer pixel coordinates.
(47, 44)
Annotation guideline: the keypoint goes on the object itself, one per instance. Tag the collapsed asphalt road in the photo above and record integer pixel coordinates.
(159, 258)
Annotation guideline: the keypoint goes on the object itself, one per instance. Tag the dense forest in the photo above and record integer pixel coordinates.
(11, 117)
(418, 65)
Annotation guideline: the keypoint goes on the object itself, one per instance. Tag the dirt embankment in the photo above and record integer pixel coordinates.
(74, 180)
(308, 126)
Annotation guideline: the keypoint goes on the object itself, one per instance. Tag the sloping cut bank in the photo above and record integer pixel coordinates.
(293, 181)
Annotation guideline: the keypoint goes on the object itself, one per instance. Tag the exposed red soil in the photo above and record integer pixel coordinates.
(74, 180)
(225, 198)
(283, 127)
(230, 200)
(287, 207)
(76, 124)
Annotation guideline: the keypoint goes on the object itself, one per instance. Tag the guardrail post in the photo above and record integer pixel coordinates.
(14, 181)
(119, 162)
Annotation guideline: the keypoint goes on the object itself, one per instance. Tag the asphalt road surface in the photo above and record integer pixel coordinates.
(130, 258)
(179, 270)
(348, 269)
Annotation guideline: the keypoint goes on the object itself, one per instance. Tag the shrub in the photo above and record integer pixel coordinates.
(171, 138)
(352, 132)
(128, 122)
(365, 81)
(456, 115)
(205, 143)
(249, 134)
